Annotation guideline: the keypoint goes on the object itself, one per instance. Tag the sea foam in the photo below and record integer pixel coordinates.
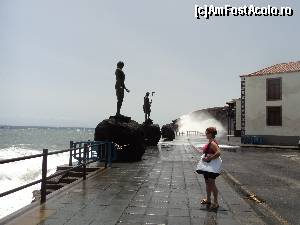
(15, 174)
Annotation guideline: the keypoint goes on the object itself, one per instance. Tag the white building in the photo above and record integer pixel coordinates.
(270, 105)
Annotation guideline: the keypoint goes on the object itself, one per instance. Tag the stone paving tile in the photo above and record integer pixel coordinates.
(155, 219)
(138, 204)
(157, 211)
(135, 210)
(127, 218)
(198, 213)
(178, 212)
(50, 222)
(181, 207)
(198, 221)
(179, 220)
(158, 205)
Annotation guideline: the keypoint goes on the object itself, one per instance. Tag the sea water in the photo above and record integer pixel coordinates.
(24, 141)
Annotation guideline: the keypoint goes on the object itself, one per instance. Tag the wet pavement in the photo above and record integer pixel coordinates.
(272, 174)
(161, 189)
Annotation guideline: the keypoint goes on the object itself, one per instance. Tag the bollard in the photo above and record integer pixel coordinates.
(44, 176)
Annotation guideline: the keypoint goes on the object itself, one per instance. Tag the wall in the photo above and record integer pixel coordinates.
(255, 107)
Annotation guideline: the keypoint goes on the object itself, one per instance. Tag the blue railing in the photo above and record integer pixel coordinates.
(103, 151)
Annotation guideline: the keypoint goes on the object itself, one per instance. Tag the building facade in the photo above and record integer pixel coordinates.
(270, 105)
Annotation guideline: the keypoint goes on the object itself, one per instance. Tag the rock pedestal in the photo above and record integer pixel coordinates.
(126, 134)
(167, 132)
(151, 132)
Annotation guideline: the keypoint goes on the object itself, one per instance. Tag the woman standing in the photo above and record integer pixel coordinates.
(212, 152)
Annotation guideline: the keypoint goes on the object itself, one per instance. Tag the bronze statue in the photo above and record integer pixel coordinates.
(120, 86)
(147, 106)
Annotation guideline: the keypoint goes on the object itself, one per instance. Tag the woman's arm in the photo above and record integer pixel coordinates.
(199, 150)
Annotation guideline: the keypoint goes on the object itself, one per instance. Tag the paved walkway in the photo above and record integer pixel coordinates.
(161, 189)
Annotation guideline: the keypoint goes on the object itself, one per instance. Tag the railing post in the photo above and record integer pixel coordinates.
(71, 151)
(85, 150)
(44, 175)
(89, 151)
(80, 146)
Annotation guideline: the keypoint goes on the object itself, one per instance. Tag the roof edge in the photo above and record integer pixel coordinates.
(261, 75)
(279, 68)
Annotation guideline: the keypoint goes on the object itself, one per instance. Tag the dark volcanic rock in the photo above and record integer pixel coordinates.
(124, 132)
(151, 132)
(167, 132)
(121, 118)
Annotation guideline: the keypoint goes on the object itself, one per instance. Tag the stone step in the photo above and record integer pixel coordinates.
(75, 174)
(56, 179)
(49, 191)
(54, 186)
(69, 180)
(88, 169)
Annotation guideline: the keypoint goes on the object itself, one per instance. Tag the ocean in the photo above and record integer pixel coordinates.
(23, 141)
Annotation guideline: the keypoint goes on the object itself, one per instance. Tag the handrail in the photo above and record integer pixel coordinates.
(86, 147)
(3, 161)
(20, 188)
(20, 158)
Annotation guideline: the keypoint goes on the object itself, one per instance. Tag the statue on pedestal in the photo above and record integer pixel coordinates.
(151, 131)
(120, 86)
(147, 106)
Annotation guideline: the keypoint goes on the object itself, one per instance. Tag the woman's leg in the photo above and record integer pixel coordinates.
(215, 191)
(208, 189)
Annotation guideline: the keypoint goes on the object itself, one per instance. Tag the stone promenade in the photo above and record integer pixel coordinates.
(161, 189)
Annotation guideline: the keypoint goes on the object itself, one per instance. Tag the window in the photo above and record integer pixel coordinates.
(274, 116)
(273, 89)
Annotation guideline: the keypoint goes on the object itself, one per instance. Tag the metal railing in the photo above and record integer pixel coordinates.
(100, 150)
(188, 133)
(88, 152)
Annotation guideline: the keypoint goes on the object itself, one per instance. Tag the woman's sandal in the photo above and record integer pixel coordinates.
(214, 206)
(205, 202)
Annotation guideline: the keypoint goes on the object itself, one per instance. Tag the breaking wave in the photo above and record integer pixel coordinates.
(15, 174)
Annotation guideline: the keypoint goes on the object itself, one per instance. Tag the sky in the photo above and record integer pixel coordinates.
(58, 57)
